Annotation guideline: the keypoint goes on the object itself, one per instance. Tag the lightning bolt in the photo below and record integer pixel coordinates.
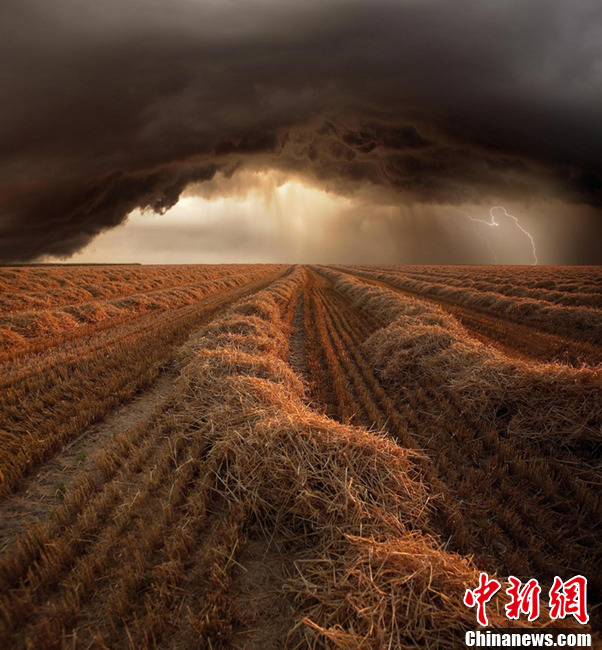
(528, 234)
(492, 223)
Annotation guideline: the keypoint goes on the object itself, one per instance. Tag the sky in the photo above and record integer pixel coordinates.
(338, 131)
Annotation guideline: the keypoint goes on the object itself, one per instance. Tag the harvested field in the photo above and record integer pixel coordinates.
(293, 457)
(514, 296)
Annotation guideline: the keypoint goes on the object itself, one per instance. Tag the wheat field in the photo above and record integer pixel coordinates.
(277, 456)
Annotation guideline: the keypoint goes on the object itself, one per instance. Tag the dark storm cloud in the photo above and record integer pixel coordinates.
(109, 105)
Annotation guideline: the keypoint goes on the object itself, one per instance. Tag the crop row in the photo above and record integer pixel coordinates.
(511, 446)
(70, 283)
(49, 399)
(148, 555)
(23, 332)
(582, 323)
(561, 284)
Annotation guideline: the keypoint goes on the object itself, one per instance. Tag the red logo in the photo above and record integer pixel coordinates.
(481, 596)
(525, 600)
(567, 598)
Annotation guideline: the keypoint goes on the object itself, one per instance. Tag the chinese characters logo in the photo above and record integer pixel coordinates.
(567, 598)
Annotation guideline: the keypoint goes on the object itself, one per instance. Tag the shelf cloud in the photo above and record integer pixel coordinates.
(109, 106)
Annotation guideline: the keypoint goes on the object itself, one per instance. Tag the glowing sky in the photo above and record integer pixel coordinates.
(265, 130)
(264, 217)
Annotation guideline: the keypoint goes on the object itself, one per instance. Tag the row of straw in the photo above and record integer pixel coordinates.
(423, 344)
(581, 322)
(349, 503)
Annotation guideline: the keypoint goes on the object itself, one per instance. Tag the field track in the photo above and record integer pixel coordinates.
(39, 492)
(278, 456)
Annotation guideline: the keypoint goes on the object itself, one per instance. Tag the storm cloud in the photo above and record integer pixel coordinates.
(114, 105)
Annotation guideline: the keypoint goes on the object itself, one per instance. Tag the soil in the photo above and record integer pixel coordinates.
(260, 599)
(297, 344)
